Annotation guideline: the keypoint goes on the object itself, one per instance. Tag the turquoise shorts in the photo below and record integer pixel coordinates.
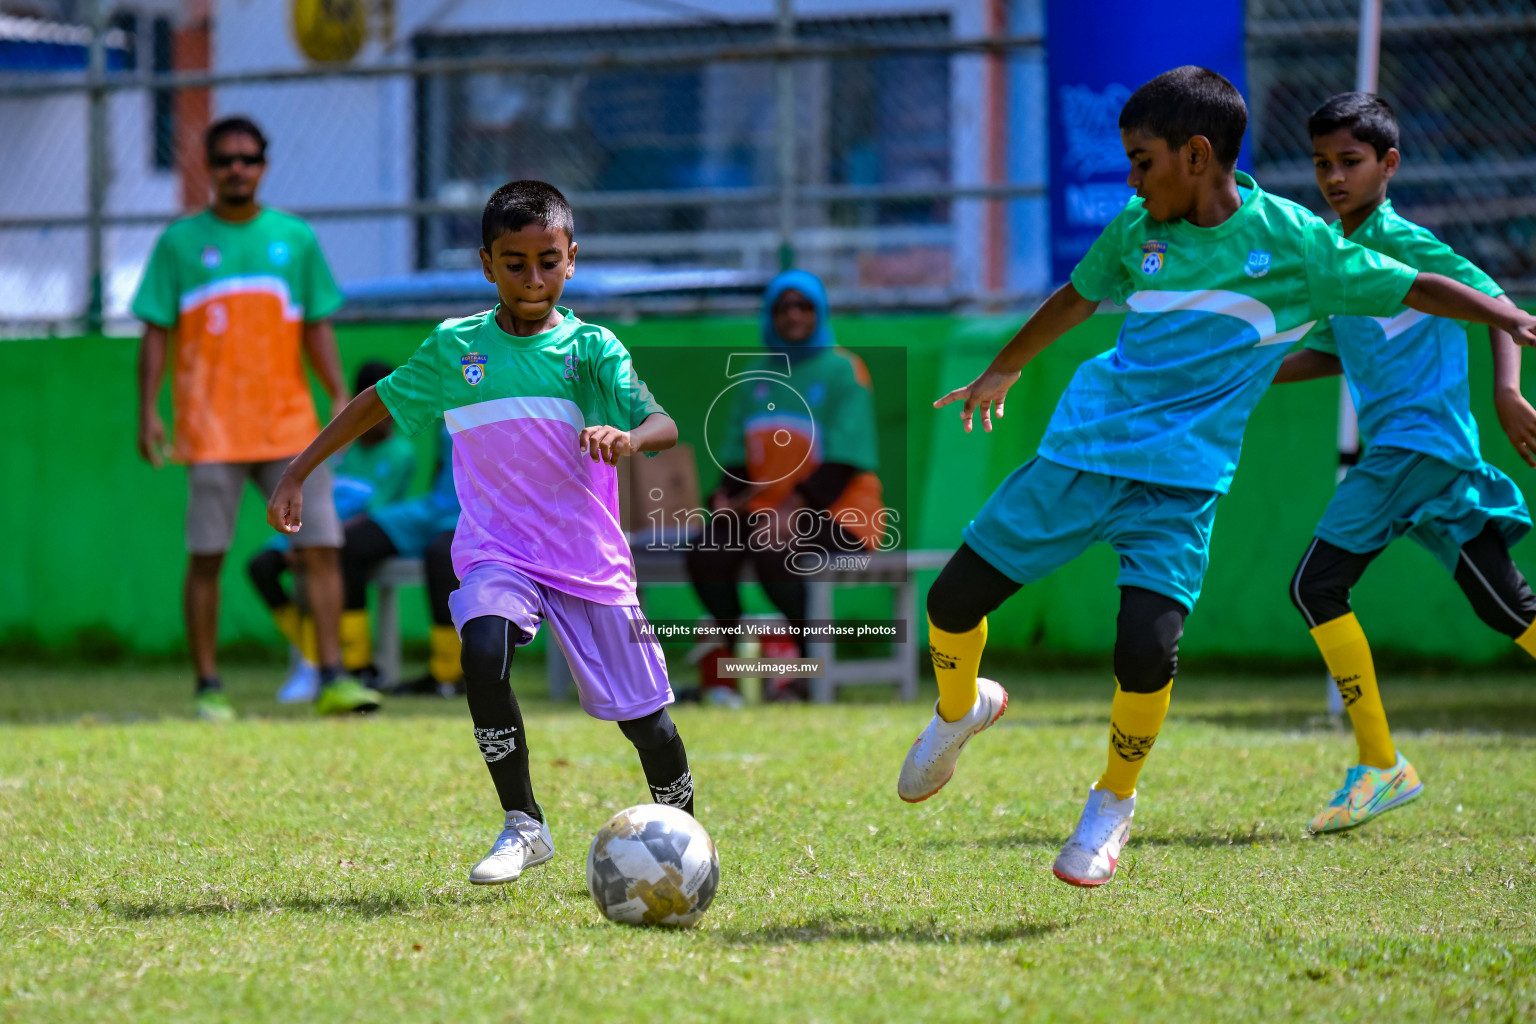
(1394, 492)
(1045, 514)
(411, 524)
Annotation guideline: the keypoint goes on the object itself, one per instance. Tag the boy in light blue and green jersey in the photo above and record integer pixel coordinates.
(1220, 278)
(1422, 474)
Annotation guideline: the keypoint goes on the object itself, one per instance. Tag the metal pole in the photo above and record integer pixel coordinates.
(1367, 71)
(784, 132)
(96, 160)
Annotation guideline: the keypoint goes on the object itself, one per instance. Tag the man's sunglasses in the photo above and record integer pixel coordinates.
(224, 160)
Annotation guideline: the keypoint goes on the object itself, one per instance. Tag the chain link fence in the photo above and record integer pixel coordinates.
(1461, 75)
(701, 153)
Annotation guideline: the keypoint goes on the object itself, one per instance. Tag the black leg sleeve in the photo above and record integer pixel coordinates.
(1325, 576)
(1499, 593)
(1147, 637)
(364, 547)
(266, 572)
(440, 578)
(968, 590)
(487, 660)
(662, 757)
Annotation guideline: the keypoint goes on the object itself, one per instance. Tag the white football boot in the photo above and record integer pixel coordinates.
(931, 761)
(1090, 856)
(523, 843)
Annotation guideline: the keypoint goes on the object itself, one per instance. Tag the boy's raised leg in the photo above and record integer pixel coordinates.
(967, 589)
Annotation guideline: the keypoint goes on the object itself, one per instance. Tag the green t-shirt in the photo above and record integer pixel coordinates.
(371, 477)
(516, 407)
(237, 297)
(1212, 312)
(1407, 371)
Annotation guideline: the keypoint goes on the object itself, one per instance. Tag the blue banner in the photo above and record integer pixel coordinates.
(1098, 53)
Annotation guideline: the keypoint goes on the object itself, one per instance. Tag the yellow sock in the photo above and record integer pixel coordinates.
(444, 660)
(309, 646)
(287, 620)
(1135, 719)
(1527, 640)
(1348, 656)
(356, 640)
(956, 661)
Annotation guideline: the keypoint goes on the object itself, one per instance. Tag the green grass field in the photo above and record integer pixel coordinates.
(284, 868)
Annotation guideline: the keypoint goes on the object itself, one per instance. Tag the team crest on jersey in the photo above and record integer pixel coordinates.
(473, 366)
(211, 257)
(1258, 263)
(573, 367)
(277, 254)
(1152, 256)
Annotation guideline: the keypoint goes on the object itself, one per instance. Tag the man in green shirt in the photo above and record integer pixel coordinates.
(246, 295)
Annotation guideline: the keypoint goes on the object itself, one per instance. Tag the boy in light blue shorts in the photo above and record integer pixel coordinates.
(1422, 474)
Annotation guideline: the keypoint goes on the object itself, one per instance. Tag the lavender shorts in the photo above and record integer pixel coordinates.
(617, 678)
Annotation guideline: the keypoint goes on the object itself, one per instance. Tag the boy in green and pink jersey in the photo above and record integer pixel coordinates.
(540, 406)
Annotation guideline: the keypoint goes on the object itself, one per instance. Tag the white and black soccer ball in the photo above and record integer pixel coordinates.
(653, 865)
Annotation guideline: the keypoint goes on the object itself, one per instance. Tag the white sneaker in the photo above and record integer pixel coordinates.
(931, 761)
(1090, 856)
(303, 683)
(522, 844)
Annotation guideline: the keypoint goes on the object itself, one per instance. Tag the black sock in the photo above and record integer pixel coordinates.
(663, 758)
(208, 684)
(329, 674)
(487, 663)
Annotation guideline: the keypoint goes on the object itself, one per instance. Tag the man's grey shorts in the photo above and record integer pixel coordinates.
(213, 501)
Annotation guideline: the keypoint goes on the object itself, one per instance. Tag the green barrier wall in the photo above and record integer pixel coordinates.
(93, 536)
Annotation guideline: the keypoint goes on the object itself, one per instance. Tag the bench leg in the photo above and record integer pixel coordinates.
(819, 606)
(386, 649)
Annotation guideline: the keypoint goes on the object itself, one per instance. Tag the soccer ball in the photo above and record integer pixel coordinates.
(653, 865)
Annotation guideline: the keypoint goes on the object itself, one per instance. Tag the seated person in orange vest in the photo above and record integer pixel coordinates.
(375, 470)
(799, 483)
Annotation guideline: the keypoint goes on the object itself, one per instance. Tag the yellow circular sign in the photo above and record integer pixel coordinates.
(330, 30)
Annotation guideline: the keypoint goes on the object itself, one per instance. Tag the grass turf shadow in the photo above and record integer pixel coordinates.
(1050, 840)
(362, 905)
(840, 928)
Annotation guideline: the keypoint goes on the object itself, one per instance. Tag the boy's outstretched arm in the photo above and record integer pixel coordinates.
(1064, 310)
(1515, 414)
(1307, 364)
(286, 507)
(1441, 296)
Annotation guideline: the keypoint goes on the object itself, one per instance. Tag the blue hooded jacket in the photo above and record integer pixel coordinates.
(810, 286)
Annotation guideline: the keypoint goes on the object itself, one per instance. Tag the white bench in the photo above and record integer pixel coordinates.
(885, 568)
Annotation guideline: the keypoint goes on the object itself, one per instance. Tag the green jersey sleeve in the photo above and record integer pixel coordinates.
(1343, 277)
(626, 401)
(413, 394)
(850, 436)
(1423, 250)
(321, 297)
(1100, 274)
(158, 300)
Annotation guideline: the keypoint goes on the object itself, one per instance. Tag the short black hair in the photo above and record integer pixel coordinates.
(369, 374)
(1188, 101)
(237, 125)
(519, 203)
(1367, 116)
